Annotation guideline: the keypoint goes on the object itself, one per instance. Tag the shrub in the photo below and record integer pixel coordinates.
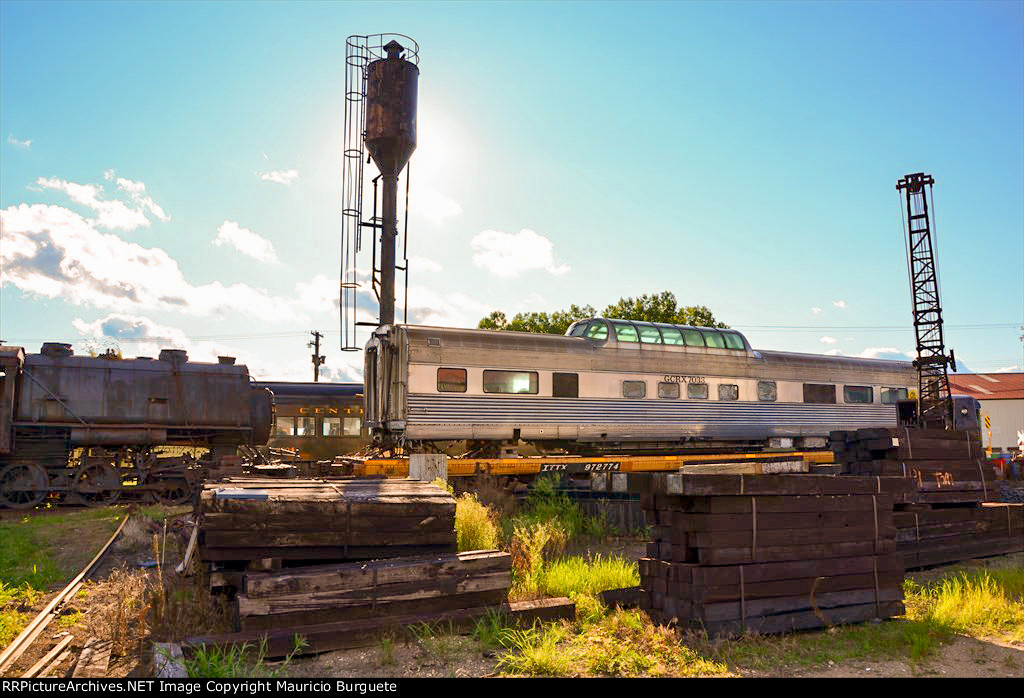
(475, 528)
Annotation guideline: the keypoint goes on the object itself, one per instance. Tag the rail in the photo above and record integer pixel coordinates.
(32, 631)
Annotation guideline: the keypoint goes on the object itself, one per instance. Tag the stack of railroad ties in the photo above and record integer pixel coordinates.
(339, 561)
(949, 516)
(773, 553)
(770, 553)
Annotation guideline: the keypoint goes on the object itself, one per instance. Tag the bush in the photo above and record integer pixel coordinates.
(475, 528)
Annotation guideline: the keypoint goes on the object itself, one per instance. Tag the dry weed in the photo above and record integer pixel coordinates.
(118, 609)
(135, 536)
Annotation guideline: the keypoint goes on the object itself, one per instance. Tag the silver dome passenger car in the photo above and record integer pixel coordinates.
(618, 384)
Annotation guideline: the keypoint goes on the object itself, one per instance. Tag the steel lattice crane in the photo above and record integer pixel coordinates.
(934, 402)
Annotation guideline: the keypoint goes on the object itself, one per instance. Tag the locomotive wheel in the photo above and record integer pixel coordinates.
(97, 484)
(23, 485)
(173, 492)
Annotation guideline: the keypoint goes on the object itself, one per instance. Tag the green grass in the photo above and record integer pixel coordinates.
(575, 576)
(28, 545)
(979, 603)
(238, 661)
(546, 505)
(41, 552)
(620, 643)
(475, 527)
(25, 556)
(14, 602)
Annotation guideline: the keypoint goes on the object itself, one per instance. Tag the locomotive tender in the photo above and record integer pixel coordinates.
(617, 384)
(55, 404)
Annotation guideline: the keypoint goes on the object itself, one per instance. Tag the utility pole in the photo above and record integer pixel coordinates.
(317, 359)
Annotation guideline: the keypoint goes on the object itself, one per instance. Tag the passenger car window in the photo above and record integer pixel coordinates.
(822, 394)
(671, 335)
(890, 396)
(650, 334)
(284, 426)
(668, 391)
(858, 394)
(565, 385)
(767, 391)
(332, 426)
(697, 391)
(713, 339)
(693, 338)
(352, 426)
(510, 382)
(733, 340)
(597, 330)
(634, 389)
(451, 380)
(305, 426)
(728, 391)
(624, 332)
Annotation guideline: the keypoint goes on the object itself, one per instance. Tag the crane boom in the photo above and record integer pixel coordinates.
(935, 405)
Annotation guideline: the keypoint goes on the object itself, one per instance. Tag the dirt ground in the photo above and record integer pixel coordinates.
(439, 656)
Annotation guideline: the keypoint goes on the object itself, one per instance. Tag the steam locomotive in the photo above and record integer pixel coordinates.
(86, 428)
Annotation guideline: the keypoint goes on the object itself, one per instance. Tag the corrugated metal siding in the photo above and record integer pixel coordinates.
(642, 418)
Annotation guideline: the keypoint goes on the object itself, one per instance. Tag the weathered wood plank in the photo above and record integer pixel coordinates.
(93, 661)
(805, 620)
(735, 610)
(792, 569)
(790, 536)
(438, 604)
(335, 553)
(782, 521)
(731, 556)
(323, 578)
(374, 595)
(775, 504)
(431, 535)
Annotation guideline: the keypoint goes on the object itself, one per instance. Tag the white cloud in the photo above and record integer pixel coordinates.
(427, 307)
(54, 252)
(285, 177)
(815, 311)
(829, 340)
(137, 335)
(430, 204)
(417, 263)
(1009, 369)
(246, 242)
(839, 303)
(322, 295)
(132, 328)
(113, 214)
(891, 353)
(137, 191)
(25, 145)
(508, 254)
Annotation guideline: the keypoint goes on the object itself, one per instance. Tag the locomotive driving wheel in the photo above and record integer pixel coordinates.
(173, 492)
(97, 484)
(23, 485)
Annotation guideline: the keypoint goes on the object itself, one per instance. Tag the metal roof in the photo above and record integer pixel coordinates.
(988, 386)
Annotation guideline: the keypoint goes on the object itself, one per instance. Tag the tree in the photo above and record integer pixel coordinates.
(661, 307)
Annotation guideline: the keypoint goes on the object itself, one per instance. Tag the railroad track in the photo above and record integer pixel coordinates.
(31, 634)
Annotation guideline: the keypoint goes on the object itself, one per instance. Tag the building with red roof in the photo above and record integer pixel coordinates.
(1002, 401)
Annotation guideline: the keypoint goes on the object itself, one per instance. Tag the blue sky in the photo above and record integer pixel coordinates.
(171, 172)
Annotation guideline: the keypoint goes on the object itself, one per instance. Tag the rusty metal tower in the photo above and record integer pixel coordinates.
(381, 80)
(935, 406)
